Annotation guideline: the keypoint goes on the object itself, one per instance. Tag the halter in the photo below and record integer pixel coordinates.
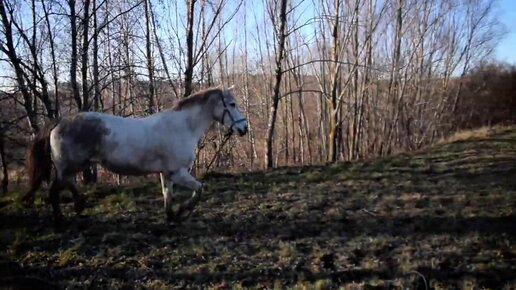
(226, 111)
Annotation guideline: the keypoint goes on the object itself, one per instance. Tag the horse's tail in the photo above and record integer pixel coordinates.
(38, 160)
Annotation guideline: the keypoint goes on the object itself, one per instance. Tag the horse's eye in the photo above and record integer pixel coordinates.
(233, 105)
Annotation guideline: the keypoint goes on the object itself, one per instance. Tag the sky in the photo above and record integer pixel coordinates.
(506, 50)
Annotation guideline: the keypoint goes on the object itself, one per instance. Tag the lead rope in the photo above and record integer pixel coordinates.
(224, 141)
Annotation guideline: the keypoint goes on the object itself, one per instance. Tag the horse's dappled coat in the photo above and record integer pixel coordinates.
(160, 143)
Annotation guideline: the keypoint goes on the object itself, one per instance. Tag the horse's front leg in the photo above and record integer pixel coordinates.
(182, 177)
(166, 188)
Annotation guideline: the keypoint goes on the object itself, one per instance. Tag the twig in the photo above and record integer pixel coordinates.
(420, 275)
(226, 138)
(368, 212)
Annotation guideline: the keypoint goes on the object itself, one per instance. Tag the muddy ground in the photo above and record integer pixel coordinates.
(442, 218)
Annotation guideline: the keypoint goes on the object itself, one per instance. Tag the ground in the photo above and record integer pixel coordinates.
(440, 218)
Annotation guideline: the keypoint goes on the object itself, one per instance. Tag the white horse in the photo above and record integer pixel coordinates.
(161, 143)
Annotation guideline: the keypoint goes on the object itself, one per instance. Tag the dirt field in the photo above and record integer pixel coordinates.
(436, 219)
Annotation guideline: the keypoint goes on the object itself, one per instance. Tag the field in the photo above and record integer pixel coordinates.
(441, 218)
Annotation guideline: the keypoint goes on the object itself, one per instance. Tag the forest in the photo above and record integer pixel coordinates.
(319, 81)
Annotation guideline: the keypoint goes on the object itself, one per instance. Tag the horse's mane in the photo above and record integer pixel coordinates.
(198, 98)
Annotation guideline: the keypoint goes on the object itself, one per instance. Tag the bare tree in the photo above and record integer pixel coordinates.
(335, 83)
(95, 56)
(148, 51)
(3, 161)
(189, 47)
(73, 58)
(55, 73)
(251, 139)
(9, 49)
(279, 21)
(85, 23)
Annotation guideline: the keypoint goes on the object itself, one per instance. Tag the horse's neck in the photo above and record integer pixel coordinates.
(197, 121)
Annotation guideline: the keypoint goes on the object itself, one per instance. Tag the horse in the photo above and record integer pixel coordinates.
(162, 143)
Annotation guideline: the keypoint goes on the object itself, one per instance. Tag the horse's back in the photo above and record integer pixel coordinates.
(122, 145)
(84, 129)
(84, 135)
(94, 125)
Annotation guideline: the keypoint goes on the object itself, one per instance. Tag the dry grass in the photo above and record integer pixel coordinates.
(482, 132)
(439, 219)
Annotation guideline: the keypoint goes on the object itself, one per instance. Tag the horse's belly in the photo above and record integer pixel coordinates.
(125, 169)
(130, 157)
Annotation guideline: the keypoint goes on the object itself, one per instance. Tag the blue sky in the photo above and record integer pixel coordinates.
(506, 11)
(506, 50)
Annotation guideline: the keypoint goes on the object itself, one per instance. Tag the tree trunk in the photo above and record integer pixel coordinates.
(332, 136)
(73, 60)
(89, 175)
(37, 71)
(280, 52)
(252, 145)
(394, 81)
(84, 56)
(5, 179)
(150, 66)
(55, 72)
(189, 48)
(96, 84)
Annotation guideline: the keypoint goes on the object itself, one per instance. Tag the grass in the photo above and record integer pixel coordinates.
(442, 218)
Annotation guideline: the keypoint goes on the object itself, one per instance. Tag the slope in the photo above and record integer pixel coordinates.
(441, 218)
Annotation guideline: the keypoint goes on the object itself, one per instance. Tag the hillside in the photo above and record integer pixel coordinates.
(440, 218)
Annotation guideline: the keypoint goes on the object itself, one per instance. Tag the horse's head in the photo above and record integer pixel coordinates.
(227, 113)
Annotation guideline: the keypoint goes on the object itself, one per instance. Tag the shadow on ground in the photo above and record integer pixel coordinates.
(440, 218)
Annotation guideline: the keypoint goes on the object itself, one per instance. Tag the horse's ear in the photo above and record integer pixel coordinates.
(227, 91)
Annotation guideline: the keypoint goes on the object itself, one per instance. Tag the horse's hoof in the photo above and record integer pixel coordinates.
(182, 215)
(27, 204)
(59, 221)
(80, 205)
(173, 224)
(170, 218)
(28, 201)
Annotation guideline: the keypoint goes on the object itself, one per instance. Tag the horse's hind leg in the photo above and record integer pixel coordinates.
(30, 196)
(55, 188)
